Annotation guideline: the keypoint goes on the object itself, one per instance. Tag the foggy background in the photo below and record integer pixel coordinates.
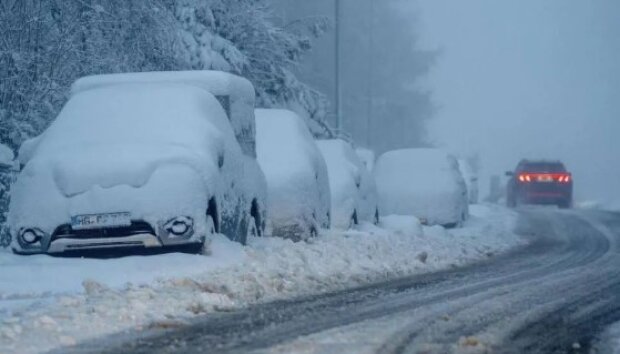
(508, 80)
(529, 78)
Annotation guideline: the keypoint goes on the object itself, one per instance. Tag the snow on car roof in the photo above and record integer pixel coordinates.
(238, 91)
(217, 82)
(283, 142)
(420, 169)
(134, 114)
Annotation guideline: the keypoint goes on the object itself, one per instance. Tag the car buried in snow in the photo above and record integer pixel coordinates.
(298, 198)
(425, 183)
(353, 189)
(156, 159)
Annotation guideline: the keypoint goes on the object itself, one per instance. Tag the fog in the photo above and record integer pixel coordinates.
(529, 79)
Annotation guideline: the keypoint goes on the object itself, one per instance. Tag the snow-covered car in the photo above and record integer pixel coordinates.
(471, 180)
(353, 189)
(425, 183)
(142, 160)
(298, 198)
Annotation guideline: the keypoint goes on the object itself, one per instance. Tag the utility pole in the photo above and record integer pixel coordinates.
(371, 54)
(337, 20)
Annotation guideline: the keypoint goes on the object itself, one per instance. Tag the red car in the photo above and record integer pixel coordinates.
(540, 182)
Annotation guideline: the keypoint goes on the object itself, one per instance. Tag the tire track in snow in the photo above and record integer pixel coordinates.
(511, 297)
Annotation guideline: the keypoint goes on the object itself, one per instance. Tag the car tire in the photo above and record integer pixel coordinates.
(314, 232)
(353, 220)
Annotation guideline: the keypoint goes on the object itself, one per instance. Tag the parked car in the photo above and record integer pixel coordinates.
(353, 189)
(142, 160)
(425, 183)
(540, 182)
(471, 180)
(298, 197)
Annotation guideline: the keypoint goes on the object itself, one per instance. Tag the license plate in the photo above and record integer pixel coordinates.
(97, 221)
(545, 179)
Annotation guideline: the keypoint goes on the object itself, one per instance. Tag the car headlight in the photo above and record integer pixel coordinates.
(30, 237)
(180, 226)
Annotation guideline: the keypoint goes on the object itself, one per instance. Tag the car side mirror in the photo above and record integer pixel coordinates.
(510, 173)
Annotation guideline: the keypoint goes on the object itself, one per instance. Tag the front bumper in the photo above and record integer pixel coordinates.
(140, 240)
(139, 235)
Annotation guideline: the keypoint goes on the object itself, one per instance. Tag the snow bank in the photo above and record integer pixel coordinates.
(421, 182)
(41, 311)
(298, 188)
(6, 156)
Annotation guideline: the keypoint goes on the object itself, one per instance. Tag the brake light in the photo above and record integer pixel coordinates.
(564, 179)
(525, 177)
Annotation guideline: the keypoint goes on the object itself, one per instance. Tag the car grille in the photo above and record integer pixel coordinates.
(136, 228)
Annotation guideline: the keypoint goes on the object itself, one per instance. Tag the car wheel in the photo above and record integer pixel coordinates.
(353, 220)
(314, 232)
(511, 203)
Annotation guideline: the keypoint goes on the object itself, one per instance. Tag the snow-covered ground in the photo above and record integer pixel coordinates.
(49, 302)
(611, 205)
(609, 342)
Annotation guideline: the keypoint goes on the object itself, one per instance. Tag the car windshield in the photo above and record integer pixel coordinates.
(543, 167)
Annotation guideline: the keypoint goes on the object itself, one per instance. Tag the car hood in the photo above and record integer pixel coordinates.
(78, 171)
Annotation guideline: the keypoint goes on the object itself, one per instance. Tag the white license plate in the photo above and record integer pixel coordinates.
(545, 179)
(97, 221)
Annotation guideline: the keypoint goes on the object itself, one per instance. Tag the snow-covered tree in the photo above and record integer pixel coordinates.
(241, 36)
(385, 107)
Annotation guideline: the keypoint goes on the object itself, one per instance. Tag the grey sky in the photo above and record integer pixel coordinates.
(529, 79)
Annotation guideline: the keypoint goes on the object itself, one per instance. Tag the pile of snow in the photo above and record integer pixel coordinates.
(298, 197)
(50, 302)
(6, 156)
(353, 189)
(421, 182)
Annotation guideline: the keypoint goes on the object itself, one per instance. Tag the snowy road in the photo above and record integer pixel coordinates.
(554, 295)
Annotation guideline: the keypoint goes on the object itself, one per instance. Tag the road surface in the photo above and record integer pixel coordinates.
(553, 296)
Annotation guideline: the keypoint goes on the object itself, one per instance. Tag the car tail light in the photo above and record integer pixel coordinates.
(564, 178)
(525, 177)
